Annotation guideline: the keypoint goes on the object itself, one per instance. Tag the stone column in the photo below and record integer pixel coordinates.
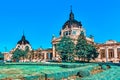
(115, 52)
(99, 56)
(45, 55)
(53, 51)
(106, 53)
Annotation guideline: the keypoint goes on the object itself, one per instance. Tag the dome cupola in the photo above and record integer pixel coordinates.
(23, 44)
(23, 41)
(71, 22)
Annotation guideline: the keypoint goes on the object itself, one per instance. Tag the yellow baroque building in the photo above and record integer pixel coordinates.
(33, 55)
(108, 52)
(71, 28)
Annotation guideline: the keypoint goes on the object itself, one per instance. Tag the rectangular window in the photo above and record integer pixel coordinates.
(74, 32)
(118, 52)
(111, 53)
(102, 51)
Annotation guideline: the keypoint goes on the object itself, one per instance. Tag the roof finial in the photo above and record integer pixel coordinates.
(23, 31)
(71, 14)
(23, 37)
(71, 8)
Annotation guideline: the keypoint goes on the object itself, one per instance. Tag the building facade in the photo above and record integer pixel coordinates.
(37, 55)
(108, 52)
(73, 29)
(21, 44)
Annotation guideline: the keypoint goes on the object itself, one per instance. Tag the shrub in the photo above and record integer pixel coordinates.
(108, 66)
(104, 67)
(83, 73)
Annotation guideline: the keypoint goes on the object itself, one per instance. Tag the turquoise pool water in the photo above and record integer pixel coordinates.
(20, 71)
(15, 71)
(111, 74)
(51, 70)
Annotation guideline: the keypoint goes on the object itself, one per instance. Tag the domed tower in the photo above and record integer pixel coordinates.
(71, 28)
(23, 43)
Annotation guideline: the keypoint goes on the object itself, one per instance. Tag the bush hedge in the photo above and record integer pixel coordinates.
(83, 73)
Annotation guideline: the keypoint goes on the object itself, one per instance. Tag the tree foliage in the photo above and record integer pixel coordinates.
(92, 52)
(65, 48)
(18, 53)
(1, 56)
(25, 52)
(81, 47)
(85, 51)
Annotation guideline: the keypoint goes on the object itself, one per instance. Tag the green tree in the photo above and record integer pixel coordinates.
(91, 53)
(84, 50)
(16, 55)
(26, 49)
(24, 53)
(1, 56)
(65, 48)
(81, 47)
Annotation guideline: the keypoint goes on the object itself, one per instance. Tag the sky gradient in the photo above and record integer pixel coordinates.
(40, 19)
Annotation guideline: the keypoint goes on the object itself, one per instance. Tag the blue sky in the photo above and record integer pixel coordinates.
(40, 19)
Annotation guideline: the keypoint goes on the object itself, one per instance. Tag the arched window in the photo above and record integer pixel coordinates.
(27, 48)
